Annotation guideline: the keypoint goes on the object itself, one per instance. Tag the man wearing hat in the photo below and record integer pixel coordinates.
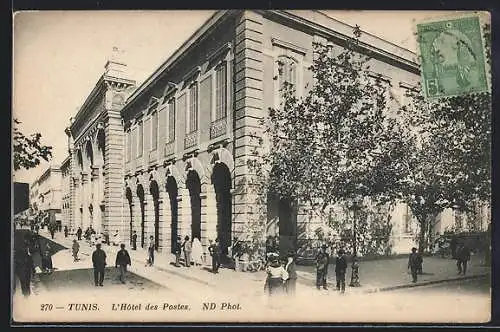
(414, 263)
(99, 263)
(292, 273)
(340, 269)
(322, 260)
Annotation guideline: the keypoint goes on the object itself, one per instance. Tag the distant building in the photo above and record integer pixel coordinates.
(46, 192)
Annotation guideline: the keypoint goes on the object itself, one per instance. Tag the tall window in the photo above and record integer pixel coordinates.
(154, 131)
(129, 145)
(171, 120)
(287, 74)
(192, 124)
(140, 139)
(220, 92)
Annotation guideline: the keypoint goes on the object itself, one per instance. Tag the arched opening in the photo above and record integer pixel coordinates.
(193, 184)
(172, 191)
(128, 195)
(101, 141)
(140, 194)
(221, 179)
(155, 192)
(89, 153)
(283, 210)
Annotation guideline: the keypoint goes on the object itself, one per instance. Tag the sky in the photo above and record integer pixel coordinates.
(60, 55)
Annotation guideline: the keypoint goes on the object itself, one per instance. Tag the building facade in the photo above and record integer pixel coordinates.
(95, 139)
(193, 125)
(46, 193)
(170, 157)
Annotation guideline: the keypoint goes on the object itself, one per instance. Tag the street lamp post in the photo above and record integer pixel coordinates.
(354, 265)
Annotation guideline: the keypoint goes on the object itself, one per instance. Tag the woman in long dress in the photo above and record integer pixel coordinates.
(276, 277)
(197, 252)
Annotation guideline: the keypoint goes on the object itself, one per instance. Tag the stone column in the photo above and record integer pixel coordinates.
(184, 226)
(164, 239)
(166, 221)
(136, 213)
(75, 204)
(249, 110)
(114, 173)
(208, 215)
(149, 217)
(85, 202)
(95, 201)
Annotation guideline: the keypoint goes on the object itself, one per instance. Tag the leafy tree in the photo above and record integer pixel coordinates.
(449, 154)
(338, 143)
(28, 150)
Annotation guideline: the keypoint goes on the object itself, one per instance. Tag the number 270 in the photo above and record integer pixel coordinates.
(46, 307)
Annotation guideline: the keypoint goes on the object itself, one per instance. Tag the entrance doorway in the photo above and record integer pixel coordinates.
(155, 192)
(221, 179)
(172, 191)
(284, 210)
(140, 195)
(193, 184)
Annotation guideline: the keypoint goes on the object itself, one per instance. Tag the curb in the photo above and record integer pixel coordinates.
(425, 283)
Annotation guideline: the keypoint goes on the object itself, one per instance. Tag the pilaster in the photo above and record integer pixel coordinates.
(208, 216)
(184, 213)
(164, 240)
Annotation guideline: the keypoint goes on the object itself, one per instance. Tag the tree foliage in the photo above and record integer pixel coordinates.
(28, 151)
(337, 142)
(449, 155)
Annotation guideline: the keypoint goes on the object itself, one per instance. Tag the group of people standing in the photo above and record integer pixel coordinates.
(322, 263)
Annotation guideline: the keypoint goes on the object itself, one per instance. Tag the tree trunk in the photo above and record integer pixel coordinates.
(421, 238)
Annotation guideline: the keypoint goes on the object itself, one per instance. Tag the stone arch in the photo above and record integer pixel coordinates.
(196, 165)
(194, 186)
(130, 198)
(221, 155)
(173, 171)
(221, 180)
(79, 160)
(89, 154)
(99, 147)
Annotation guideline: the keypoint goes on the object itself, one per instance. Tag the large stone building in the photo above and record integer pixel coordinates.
(170, 158)
(95, 139)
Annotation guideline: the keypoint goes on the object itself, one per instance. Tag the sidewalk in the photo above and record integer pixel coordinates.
(375, 276)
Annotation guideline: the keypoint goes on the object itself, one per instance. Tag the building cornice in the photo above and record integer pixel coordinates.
(323, 25)
(195, 38)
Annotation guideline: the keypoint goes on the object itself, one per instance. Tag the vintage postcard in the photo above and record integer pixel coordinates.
(251, 166)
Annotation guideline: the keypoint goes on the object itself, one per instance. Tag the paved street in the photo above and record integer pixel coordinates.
(465, 301)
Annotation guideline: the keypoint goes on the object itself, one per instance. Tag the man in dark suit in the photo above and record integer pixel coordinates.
(99, 263)
(322, 260)
(463, 256)
(340, 270)
(215, 252)
(122, 260)
(414, 263)
(24, 267)
(134, 241)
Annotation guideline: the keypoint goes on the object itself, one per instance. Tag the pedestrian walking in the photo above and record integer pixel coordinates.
(187, 248)
(134, 241)
(24, 267)
(65, 231)
(276, 277)
(151, 251)
(75, 249)
(121, 262)
(52, 231)
(340, 270)
(291, 269)
(99, 263)
(47, 258)
(322, 260)
(79, 233)
(214, 250)
(413, 263)
(197, 252)
(463, 256)
(178, 251)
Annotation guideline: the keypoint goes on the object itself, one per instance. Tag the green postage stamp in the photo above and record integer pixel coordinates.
(452, 57)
